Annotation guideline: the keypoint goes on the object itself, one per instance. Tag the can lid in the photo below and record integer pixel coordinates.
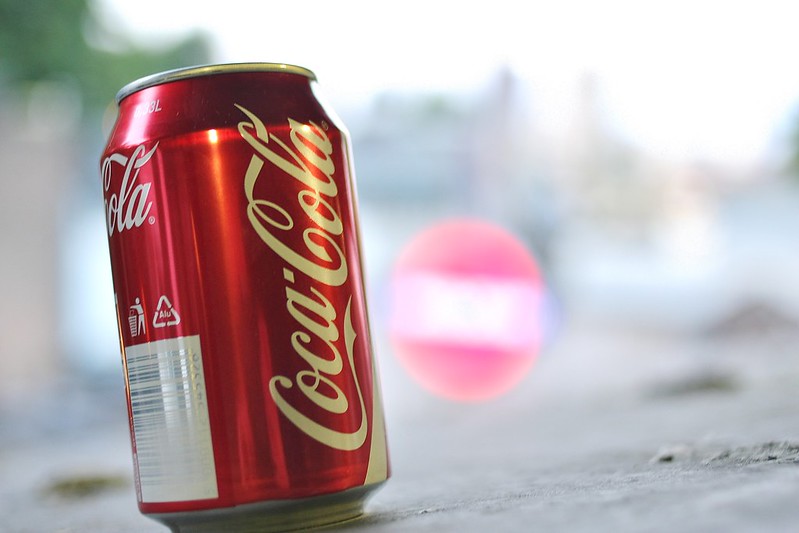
(208, 70)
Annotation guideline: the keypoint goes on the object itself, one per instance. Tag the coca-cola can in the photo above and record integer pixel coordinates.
(253, 396)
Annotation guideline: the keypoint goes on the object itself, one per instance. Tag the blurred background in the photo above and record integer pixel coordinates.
(644, 152)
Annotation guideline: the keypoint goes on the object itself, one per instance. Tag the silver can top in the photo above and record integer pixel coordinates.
(208, 70)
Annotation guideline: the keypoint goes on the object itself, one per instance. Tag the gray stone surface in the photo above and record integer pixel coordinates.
(612, 431)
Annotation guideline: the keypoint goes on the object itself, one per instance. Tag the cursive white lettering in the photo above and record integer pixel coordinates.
(322, 260)
(130, 206)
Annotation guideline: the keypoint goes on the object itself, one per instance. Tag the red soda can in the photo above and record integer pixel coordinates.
(253, 396)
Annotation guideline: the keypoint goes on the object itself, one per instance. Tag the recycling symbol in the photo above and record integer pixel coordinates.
(165, 314)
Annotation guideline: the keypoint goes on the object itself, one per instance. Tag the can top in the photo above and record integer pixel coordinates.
(208, 70)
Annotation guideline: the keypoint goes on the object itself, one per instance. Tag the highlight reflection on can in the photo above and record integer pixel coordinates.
(233, 231)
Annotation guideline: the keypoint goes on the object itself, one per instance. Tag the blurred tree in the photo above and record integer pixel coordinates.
(67, 41)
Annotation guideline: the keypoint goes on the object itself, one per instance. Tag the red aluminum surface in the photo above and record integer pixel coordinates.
(231, 216)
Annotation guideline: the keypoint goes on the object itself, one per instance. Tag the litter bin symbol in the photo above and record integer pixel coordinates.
(136, 319)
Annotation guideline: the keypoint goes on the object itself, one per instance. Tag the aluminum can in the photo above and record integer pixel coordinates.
(252, 390)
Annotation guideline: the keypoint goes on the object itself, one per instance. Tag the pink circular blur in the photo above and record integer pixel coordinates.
(466, 310)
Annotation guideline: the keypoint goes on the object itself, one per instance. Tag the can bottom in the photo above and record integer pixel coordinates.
(275, 515)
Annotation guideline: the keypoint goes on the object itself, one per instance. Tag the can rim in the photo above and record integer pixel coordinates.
(208, 70)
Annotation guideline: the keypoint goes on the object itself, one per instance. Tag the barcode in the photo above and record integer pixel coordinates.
(173, 454)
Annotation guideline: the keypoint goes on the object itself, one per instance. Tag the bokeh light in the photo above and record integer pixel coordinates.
(467, 309)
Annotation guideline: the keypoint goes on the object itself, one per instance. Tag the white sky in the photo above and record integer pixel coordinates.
(709, 79)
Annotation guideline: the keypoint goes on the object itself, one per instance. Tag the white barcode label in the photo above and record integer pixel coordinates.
(174, 455)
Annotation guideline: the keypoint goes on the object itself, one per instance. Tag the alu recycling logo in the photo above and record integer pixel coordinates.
(165, 314)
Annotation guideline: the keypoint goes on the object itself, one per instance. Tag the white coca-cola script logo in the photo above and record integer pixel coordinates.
(129, 206)
(317, 339)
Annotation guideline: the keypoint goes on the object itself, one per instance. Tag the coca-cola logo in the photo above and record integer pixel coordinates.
(129, 205)
(316, 341)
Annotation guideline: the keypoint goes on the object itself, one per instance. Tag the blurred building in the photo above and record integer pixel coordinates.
(625, 234)
(37, 151)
